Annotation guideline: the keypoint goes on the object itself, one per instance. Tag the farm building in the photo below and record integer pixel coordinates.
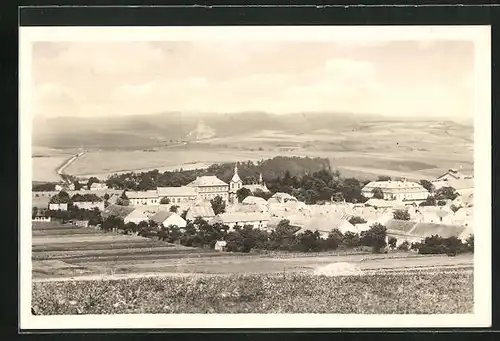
(251, 200)
(256, 220)
(56, 207)
(200, 211)
(89, 205)
(143, 198)
(402, 190)
(453, 174)
(168, 218)
(177, 195)
(208, 187)
(435, 214)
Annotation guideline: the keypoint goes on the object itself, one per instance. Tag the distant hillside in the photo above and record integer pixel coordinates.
(173, 127)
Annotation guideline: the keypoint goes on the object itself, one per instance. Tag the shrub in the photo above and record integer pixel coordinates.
(392, 242)
(401, 215)
(404, 246)
(356, 220)
(375, 237)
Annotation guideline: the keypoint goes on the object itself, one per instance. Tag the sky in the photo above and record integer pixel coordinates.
(400, 78)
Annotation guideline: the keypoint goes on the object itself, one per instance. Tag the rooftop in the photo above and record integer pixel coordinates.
(161, 216)
(393, 185)
(206, 181)
(142, 195)
(242, 217)
(176, 191)
(117, 210)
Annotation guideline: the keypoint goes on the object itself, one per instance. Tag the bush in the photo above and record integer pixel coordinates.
(404, 246)
(356, 220)
(392, 242)
(438, 245)
(375, 237)
(401, 215)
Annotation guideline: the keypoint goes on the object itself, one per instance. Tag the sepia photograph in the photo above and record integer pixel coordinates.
(255, 177)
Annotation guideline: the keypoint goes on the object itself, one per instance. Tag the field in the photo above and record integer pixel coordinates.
(415, 293)
(414, 149)
(86, 271)
(60, 251)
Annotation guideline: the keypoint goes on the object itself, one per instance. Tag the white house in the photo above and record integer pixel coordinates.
(143, 198)
(178, 195)
(89, 205)
(200, 211)
(55, 207)
(168, 218)
(136, 216)
(208, 187)
(256, 219)
(96, 186)
(397, 190)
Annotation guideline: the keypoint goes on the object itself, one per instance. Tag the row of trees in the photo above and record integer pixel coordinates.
(64, 198)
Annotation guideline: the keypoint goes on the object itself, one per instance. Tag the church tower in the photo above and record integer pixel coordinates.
(234, 186)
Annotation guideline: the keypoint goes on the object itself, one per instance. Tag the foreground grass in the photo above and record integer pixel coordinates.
(414, 293)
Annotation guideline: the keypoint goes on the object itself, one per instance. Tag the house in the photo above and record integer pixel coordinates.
(143, 198)
(281, 198)
(117, 211)
(466, 200)
(200, 211)
(251, 200)
(89, 205)
(464, 216)
(435, 214)
(97, 186)
(424, 230)
(81, 223)
(56, 207)
(209, 187)
(452, 174)
(41, 217)
(136, 216)
(326, 224)
(178, 195)
(113, 199)
(402, 190)
(256, 219)
(220, 245)
(260, 186)
(168, 218)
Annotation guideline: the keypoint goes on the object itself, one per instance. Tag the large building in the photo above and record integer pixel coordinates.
(209, 187)
(400, 190)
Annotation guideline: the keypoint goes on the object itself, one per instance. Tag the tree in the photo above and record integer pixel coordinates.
(375, 237)
(165, 201)
(124, 195)
(78, 185)
(430, 201)
(308, 241)
(184, 214)
(334, 240)
(401, 214)
(378, 193)
(60, 198)
(356, 220)
(112, 222)
(446, 193)
(404, 246)
(34, 212)
(242, 193)
(469, 242)
(427, 185)
(218, 205)
(351, 239)
(441, 203)
(173, 208)
(392, 242)
(106, 197)
(92, 180)
(130, 227)
(384, 178)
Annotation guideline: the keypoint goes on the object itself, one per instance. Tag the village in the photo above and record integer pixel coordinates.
(396, 204)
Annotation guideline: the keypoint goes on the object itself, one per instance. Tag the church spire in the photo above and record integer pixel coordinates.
(236, 177)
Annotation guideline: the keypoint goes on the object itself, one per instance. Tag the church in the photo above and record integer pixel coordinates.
(203, 188)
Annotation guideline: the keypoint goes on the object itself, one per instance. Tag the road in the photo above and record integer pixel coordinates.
(60, 170)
